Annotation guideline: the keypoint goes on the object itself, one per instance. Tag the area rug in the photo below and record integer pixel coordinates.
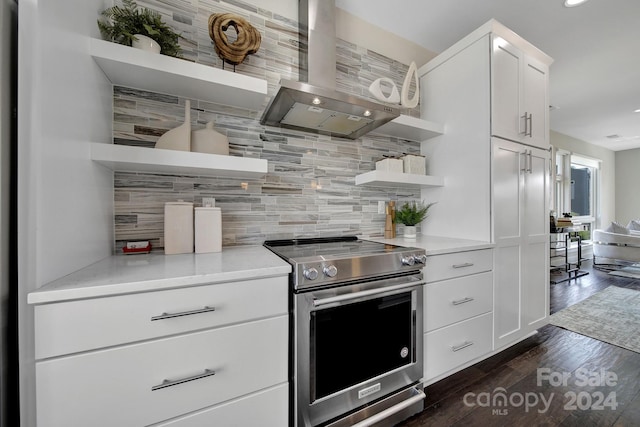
(632, 271)
(611, 315)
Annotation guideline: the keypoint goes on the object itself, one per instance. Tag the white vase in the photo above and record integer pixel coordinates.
(412, 74)
(178, 138)
(376, 90)
(209, 141)
(145, 43)
(410, 232)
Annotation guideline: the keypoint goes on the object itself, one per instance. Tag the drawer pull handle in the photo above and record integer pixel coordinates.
(462, 301)
(163, 316)
(466, 264)
(465, 344)
(168, 383)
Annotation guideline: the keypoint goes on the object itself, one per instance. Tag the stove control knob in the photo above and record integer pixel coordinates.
(310, 273)
(420, 259)
(408, 260)
(330, 270)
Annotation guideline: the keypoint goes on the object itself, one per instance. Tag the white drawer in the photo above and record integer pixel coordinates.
(113, 387)
(454, 300)
(73, 326)
(266, 408)
(448, 266)
(457, 344)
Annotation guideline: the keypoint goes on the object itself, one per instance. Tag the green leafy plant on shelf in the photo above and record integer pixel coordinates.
(119, 24)
(413, 213)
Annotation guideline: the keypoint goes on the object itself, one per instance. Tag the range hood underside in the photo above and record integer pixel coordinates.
(338, 113)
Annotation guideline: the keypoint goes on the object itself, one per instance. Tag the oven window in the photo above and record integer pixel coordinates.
(358, 341)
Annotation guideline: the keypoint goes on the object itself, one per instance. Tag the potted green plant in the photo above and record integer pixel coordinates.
(129, 25)
(412, 214)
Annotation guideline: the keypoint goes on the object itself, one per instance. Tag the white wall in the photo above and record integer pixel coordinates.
(457, 94)
(607, 172)
(65, 201)
(627, 183)
(351, 28)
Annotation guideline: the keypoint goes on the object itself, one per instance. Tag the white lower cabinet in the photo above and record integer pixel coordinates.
(455, 345)
(458, 311)
(228, 374)
(454, 300)
(70, 326)
(264, 409)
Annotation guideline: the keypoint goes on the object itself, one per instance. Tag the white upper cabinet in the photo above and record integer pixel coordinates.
(520, 95)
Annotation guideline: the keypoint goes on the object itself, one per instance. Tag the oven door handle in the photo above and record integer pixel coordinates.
(355, 295)
(392, 410)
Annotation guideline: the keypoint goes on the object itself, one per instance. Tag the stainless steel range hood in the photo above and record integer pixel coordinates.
(313, 104)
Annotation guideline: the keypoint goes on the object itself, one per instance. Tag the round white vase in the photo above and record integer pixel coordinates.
(145, 43)
(410, 232)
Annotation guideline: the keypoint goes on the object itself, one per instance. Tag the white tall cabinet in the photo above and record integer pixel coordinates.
(520, 206)
(491, 92)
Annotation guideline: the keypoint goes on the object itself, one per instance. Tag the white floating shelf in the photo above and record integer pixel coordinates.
(141, 159)
(139, 69)
(394, 179)
(411, 128)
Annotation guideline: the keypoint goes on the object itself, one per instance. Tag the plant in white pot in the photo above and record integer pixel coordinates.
(141, 28)
(412, 214)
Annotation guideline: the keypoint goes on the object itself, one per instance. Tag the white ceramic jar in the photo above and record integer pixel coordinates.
(178, 228)
(208, 230)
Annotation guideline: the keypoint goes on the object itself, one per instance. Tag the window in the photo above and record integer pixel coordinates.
(581, 190)
(576, 188)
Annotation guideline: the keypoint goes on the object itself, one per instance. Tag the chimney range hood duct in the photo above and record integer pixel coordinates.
(313, 104)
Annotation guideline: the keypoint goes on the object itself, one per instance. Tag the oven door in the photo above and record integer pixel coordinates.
(356, 344)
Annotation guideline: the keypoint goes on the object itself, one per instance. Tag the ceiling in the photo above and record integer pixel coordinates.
(595, 76)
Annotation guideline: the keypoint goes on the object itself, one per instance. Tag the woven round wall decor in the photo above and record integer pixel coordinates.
(248, 41)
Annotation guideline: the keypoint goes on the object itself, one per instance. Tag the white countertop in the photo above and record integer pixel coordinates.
(123, 274)
(435, 245)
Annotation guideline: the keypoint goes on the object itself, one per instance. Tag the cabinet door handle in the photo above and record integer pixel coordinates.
(528, 161)
(169, 383)
(526, 121)
(530, 135)
(463, 265)
(465, 344)
(462, 301)
(163, 316)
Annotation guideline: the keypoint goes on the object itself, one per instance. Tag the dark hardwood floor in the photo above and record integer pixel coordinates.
(467, 397)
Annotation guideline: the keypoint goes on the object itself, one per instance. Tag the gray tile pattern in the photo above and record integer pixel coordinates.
(309, 189)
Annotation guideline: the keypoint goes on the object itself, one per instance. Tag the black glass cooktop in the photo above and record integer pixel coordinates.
(335, 247)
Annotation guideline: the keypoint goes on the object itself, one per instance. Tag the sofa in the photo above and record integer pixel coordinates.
(617, 243)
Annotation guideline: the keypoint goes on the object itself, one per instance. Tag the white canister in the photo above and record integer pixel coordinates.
(389, 165)
(178, 228)
(208, 230)
(414, 164)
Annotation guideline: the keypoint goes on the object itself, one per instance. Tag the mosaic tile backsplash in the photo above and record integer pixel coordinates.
(309, 189)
